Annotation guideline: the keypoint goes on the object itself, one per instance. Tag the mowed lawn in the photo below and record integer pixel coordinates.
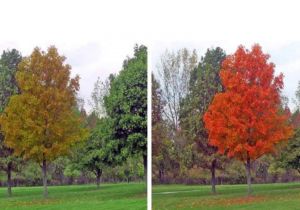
(84, 197)
(265, 197)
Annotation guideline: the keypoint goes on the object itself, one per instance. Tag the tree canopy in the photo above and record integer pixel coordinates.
(126, 105)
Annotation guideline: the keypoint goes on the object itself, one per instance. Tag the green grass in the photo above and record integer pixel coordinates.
(84, 197)
(265, 197)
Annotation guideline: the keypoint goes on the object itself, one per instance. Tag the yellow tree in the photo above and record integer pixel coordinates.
(41, 123)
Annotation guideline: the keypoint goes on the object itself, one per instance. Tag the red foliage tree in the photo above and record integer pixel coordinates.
(246, 120)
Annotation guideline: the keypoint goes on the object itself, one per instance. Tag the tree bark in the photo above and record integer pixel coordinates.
(161, 175)
(248, 172)
(9, 169)
(145, 167)
(98, 177)
(213, 176)
(61, 179)
(44, 169)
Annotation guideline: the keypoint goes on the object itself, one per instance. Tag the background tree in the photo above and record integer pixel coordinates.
(161, 145)
(100, 150)
(204, 83)
(126, 105)
(174, 70)
(290, 155)
(245, 121)
(8, 87)
(132, 169)
(101, 89)
(40, 123)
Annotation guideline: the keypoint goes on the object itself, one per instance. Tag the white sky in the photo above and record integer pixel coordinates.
(96, 36)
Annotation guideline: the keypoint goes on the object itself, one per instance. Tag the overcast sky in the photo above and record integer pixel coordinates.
(96, 36)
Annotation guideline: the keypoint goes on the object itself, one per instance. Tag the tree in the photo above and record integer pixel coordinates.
(245, 121)
(126, 105)
(8, 87)
(160, 142)
(174, 70)
(132, 169)
(157, 102)
(156, 117)
(100, 150)
(290, 155)
(204, 83)
(40, 123)
(101, 89)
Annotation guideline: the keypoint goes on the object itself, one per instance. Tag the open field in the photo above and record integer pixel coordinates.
(265, 197)
(83, 197)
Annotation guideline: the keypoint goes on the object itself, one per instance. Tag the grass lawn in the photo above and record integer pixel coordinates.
(265, 197)
(86, 197)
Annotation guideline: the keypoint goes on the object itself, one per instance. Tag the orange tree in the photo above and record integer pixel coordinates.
(40, 123)
(246, 121)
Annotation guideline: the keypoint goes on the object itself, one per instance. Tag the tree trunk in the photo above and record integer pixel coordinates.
(213, 176)
(222, 177)
(44, 169)
(9, 169)
(71, 180)
(248, 172)
(161, 175)
(61, 179)
(145, 167)
(98, 177)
